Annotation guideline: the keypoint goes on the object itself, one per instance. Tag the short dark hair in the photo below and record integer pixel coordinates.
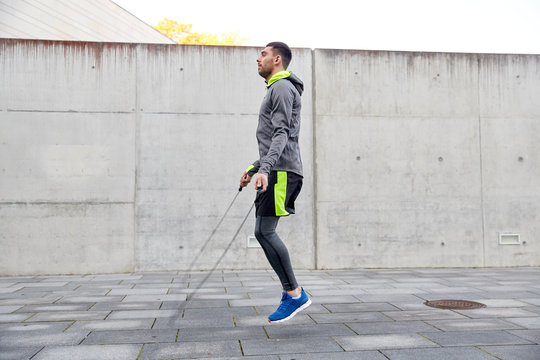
(283, 50)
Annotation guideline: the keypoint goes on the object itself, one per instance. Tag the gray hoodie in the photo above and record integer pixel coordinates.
(279, 127)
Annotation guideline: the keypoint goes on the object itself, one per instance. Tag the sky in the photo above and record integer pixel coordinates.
(478, 26)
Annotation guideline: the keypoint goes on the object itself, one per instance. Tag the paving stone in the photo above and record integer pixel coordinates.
(423, 315)
(529, 323)
(262, 319)
(19, 353)
(178, 322)
(110, 306)
(349, 317)
(472, 324)
(351, 308)
(390, 327)
(40, 338)
(10, 318)
(191, 349)
(158, 291)
(496, 313)
(195, 304)
(216, 333)
(71, 315)
(142, 314)
(307, 331)
(284, 346)
(455, 353)
(363, 355)
(54, 326)
(89, 299)
(95, 325)
(531, 335)
(89, 352)
(6, 309)
(54, 307)
(522, 352)
(474, 338)
(384, 341)
(131, 337)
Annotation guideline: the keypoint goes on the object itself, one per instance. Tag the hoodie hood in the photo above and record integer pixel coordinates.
(298, 84)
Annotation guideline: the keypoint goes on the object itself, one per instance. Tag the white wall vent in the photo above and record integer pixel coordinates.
(252, 242)
(509, 239)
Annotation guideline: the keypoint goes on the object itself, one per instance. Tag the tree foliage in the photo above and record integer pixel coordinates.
(184, 34)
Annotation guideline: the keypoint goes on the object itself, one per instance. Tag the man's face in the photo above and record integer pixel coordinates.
(265, 62)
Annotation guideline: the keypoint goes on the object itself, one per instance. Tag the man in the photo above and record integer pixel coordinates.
(279, 170)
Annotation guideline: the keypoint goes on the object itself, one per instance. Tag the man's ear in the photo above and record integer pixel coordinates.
(277, 60)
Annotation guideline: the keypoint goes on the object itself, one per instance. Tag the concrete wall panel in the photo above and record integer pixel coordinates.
(67, 76)
(67, 157)
(381, 83)
(66, 238)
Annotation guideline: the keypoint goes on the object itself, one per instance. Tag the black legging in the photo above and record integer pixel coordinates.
(275, 250)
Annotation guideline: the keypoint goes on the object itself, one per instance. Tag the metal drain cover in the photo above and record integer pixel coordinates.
(454, 304)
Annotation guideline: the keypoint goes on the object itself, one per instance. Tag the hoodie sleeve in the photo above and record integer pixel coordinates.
(282, 105)
(253, 168)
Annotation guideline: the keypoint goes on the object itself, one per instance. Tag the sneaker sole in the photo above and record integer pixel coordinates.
(294, 313)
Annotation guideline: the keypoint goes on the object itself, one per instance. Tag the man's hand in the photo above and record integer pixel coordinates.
(261, 182)
(244, 180)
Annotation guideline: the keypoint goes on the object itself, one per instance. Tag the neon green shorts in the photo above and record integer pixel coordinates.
(278, 199)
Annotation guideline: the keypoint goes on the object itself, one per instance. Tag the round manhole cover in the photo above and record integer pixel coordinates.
(454, 304)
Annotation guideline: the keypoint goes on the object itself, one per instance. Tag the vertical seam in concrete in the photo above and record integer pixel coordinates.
(478, 64)
(314, 160)
(136, 160)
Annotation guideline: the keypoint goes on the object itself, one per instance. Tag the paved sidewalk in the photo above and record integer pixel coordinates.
(356, 314)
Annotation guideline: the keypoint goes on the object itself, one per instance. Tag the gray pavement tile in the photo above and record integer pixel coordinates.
(383, 341)
(256, 302)
(427, 314)
(89, 352)
(70, 315)
(178, 322)
(141, 314)
(214, 313)
(463, 353)
(138, 291)
(40, 338)
(390, 327)
(89, 299)
(531, 308)
(521, 352)
(47, 299)
(131, 337)
(350, 308)
(474, 338)
(19, 353)
(305, 331)
(285, 346)
(110, 306)
(496, 313)
(363, 355)
(532, 301)
(94, 325)
(472, 324)
(531, 335)
(195, 304)
(262, 319)
(528, 323)
(13, 318)
(388, 298)
(7, 309)
(217, 333)
(191, 350)
(54, 307)
(349, 317)
(43, 326)
(337, 299)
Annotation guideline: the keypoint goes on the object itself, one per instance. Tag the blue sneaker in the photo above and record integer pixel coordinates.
(289, 307)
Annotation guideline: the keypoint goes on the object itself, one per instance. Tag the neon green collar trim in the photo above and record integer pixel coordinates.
(277, 76)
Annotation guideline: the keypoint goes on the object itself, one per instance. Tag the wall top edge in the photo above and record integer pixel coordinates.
(13, 41)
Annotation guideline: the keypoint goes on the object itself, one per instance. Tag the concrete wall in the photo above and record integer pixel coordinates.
(123, 157)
